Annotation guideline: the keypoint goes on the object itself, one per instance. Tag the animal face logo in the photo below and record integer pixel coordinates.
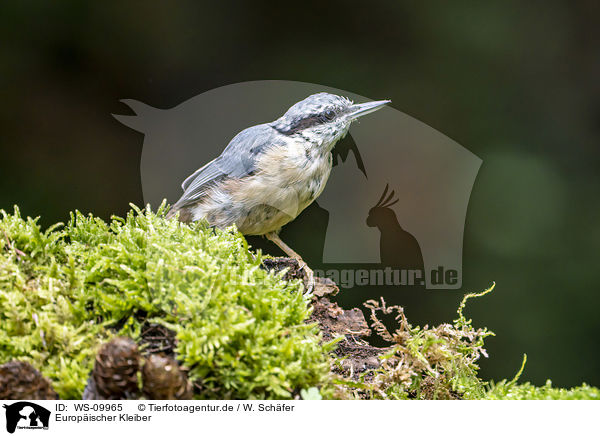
(26, 415)
(397, 247)
(379, 213)
(418, 222)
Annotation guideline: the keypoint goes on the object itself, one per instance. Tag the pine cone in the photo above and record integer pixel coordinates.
(164, 380)
(115, 372)
(21, 381)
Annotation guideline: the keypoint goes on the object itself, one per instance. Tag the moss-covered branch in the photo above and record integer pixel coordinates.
(239, 330)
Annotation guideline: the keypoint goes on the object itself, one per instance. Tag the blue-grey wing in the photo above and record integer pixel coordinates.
(237, 160)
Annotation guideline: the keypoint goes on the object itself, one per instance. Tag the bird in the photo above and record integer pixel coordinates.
(269, 173)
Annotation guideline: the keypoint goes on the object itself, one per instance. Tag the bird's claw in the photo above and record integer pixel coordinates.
(309, 282)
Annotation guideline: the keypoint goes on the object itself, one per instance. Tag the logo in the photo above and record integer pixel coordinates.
(392, 212)
(26, 415)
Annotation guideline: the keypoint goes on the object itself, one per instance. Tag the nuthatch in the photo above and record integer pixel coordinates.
(271, 172)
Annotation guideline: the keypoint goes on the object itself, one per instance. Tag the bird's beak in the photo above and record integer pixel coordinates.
(358, 110)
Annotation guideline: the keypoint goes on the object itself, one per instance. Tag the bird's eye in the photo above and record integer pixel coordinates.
(329, 114)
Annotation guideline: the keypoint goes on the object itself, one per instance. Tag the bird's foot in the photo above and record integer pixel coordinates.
(310, 275)
(309, 281)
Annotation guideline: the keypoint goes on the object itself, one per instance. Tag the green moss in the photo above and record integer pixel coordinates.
(64, 291)
(440, 362)
(526, 391)
(241, 330)
(510, 390)
(426, 362)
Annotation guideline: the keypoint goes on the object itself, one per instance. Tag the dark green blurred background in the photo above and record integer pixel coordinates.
(516, 83)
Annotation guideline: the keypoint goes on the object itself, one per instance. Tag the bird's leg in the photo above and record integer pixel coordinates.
(274, 237)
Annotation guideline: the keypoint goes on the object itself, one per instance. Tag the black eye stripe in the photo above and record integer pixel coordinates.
(307, 121)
